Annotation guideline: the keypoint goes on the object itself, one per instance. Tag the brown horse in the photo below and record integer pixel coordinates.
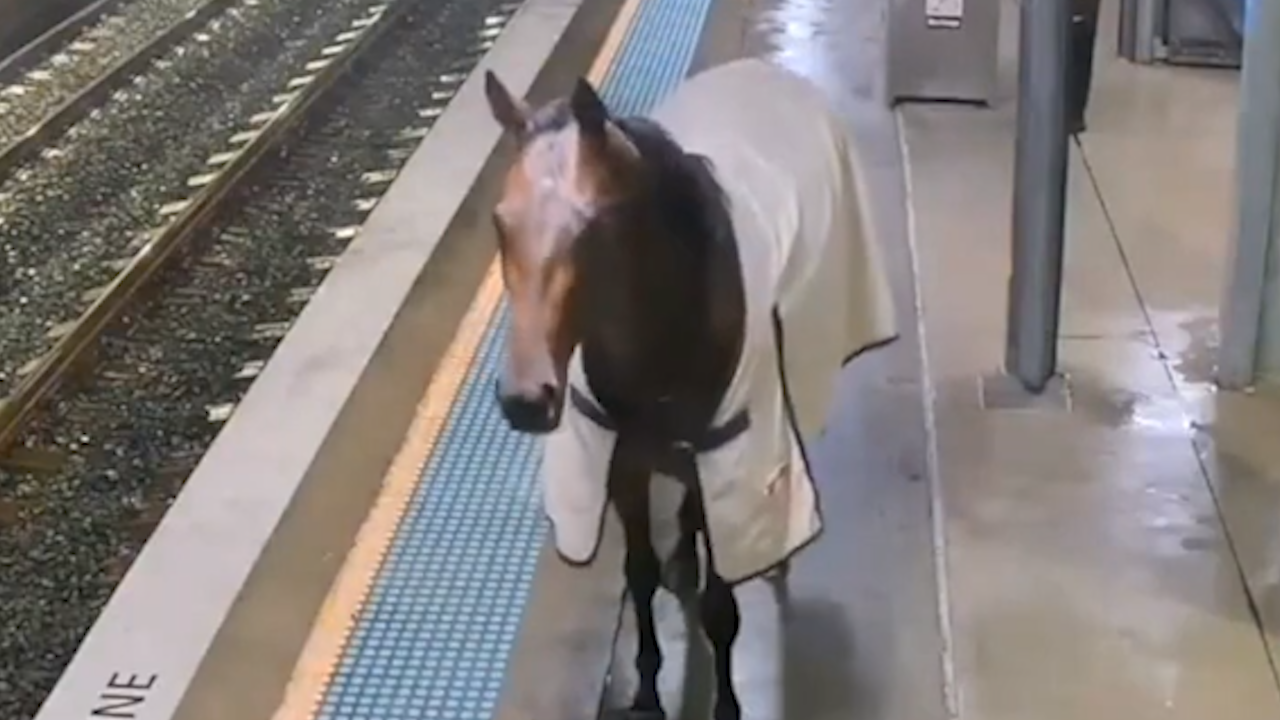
(614, 240)
(632, 329)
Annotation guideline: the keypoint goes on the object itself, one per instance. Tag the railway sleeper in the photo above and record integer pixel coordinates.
(33, 460)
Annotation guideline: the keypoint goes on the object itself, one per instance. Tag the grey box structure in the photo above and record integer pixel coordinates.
(943, 50)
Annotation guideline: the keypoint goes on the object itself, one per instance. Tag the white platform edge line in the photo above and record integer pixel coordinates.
(937, 501)
(165, 615)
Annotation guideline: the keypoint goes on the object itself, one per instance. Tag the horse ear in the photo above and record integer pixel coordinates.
(510, 112)
(588, 110)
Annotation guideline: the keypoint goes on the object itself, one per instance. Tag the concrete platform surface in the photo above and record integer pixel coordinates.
(1105, 555)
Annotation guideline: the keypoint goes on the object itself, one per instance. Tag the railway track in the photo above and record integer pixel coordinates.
(73, 219)
(56, 79)
(26, 23)
(164, 317)
(29, 55)
(73, 339)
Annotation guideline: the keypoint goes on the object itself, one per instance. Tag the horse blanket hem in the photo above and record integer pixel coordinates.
(870, 348)
(589, 558)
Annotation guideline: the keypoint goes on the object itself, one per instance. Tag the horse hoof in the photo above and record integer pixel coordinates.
(728, 711)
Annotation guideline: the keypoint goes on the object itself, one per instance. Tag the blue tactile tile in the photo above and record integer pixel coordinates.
(435, 637)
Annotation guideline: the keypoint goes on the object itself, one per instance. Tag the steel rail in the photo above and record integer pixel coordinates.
(30, 53)
(78, 343)
(75, 107)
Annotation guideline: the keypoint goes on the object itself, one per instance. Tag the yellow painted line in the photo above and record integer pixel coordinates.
(341, 609)
(613, 42)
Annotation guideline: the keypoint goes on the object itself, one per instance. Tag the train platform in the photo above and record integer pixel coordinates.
(1104, 551)
(1111, 545)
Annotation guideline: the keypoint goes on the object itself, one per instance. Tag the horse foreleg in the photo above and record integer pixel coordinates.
(721, 621)
(777, 578)
(782, 572)
(683, 576)
(643, 574)
(719, 608)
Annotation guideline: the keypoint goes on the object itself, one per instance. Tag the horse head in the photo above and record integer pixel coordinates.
(572, 164)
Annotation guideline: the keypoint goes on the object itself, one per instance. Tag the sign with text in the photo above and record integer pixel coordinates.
(123, 696)
(946, 14)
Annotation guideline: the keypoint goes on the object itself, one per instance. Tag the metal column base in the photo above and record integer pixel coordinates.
(1001, 391)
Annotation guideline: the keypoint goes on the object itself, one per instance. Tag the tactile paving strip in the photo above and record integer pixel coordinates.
(435, 634)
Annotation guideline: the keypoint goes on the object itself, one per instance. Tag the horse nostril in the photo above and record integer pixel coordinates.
(535, 408)
(550, 394)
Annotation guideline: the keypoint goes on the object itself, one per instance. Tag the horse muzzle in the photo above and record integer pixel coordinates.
(535, 412)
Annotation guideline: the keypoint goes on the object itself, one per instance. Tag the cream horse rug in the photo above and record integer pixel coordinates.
(817, 296)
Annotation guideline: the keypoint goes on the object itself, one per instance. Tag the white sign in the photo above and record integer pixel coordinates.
(944, 13)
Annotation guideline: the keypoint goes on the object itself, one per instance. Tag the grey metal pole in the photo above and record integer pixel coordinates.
(1139, 30)
(1127, 38)
(1257, 181)
(1039, 194)
(1140, 22)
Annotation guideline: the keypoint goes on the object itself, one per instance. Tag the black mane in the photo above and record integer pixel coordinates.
(681, 185)
(664, 268)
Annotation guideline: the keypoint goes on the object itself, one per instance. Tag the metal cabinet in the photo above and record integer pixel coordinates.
(943, 50)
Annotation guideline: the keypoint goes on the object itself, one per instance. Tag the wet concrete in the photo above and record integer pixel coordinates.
(1117, 556)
